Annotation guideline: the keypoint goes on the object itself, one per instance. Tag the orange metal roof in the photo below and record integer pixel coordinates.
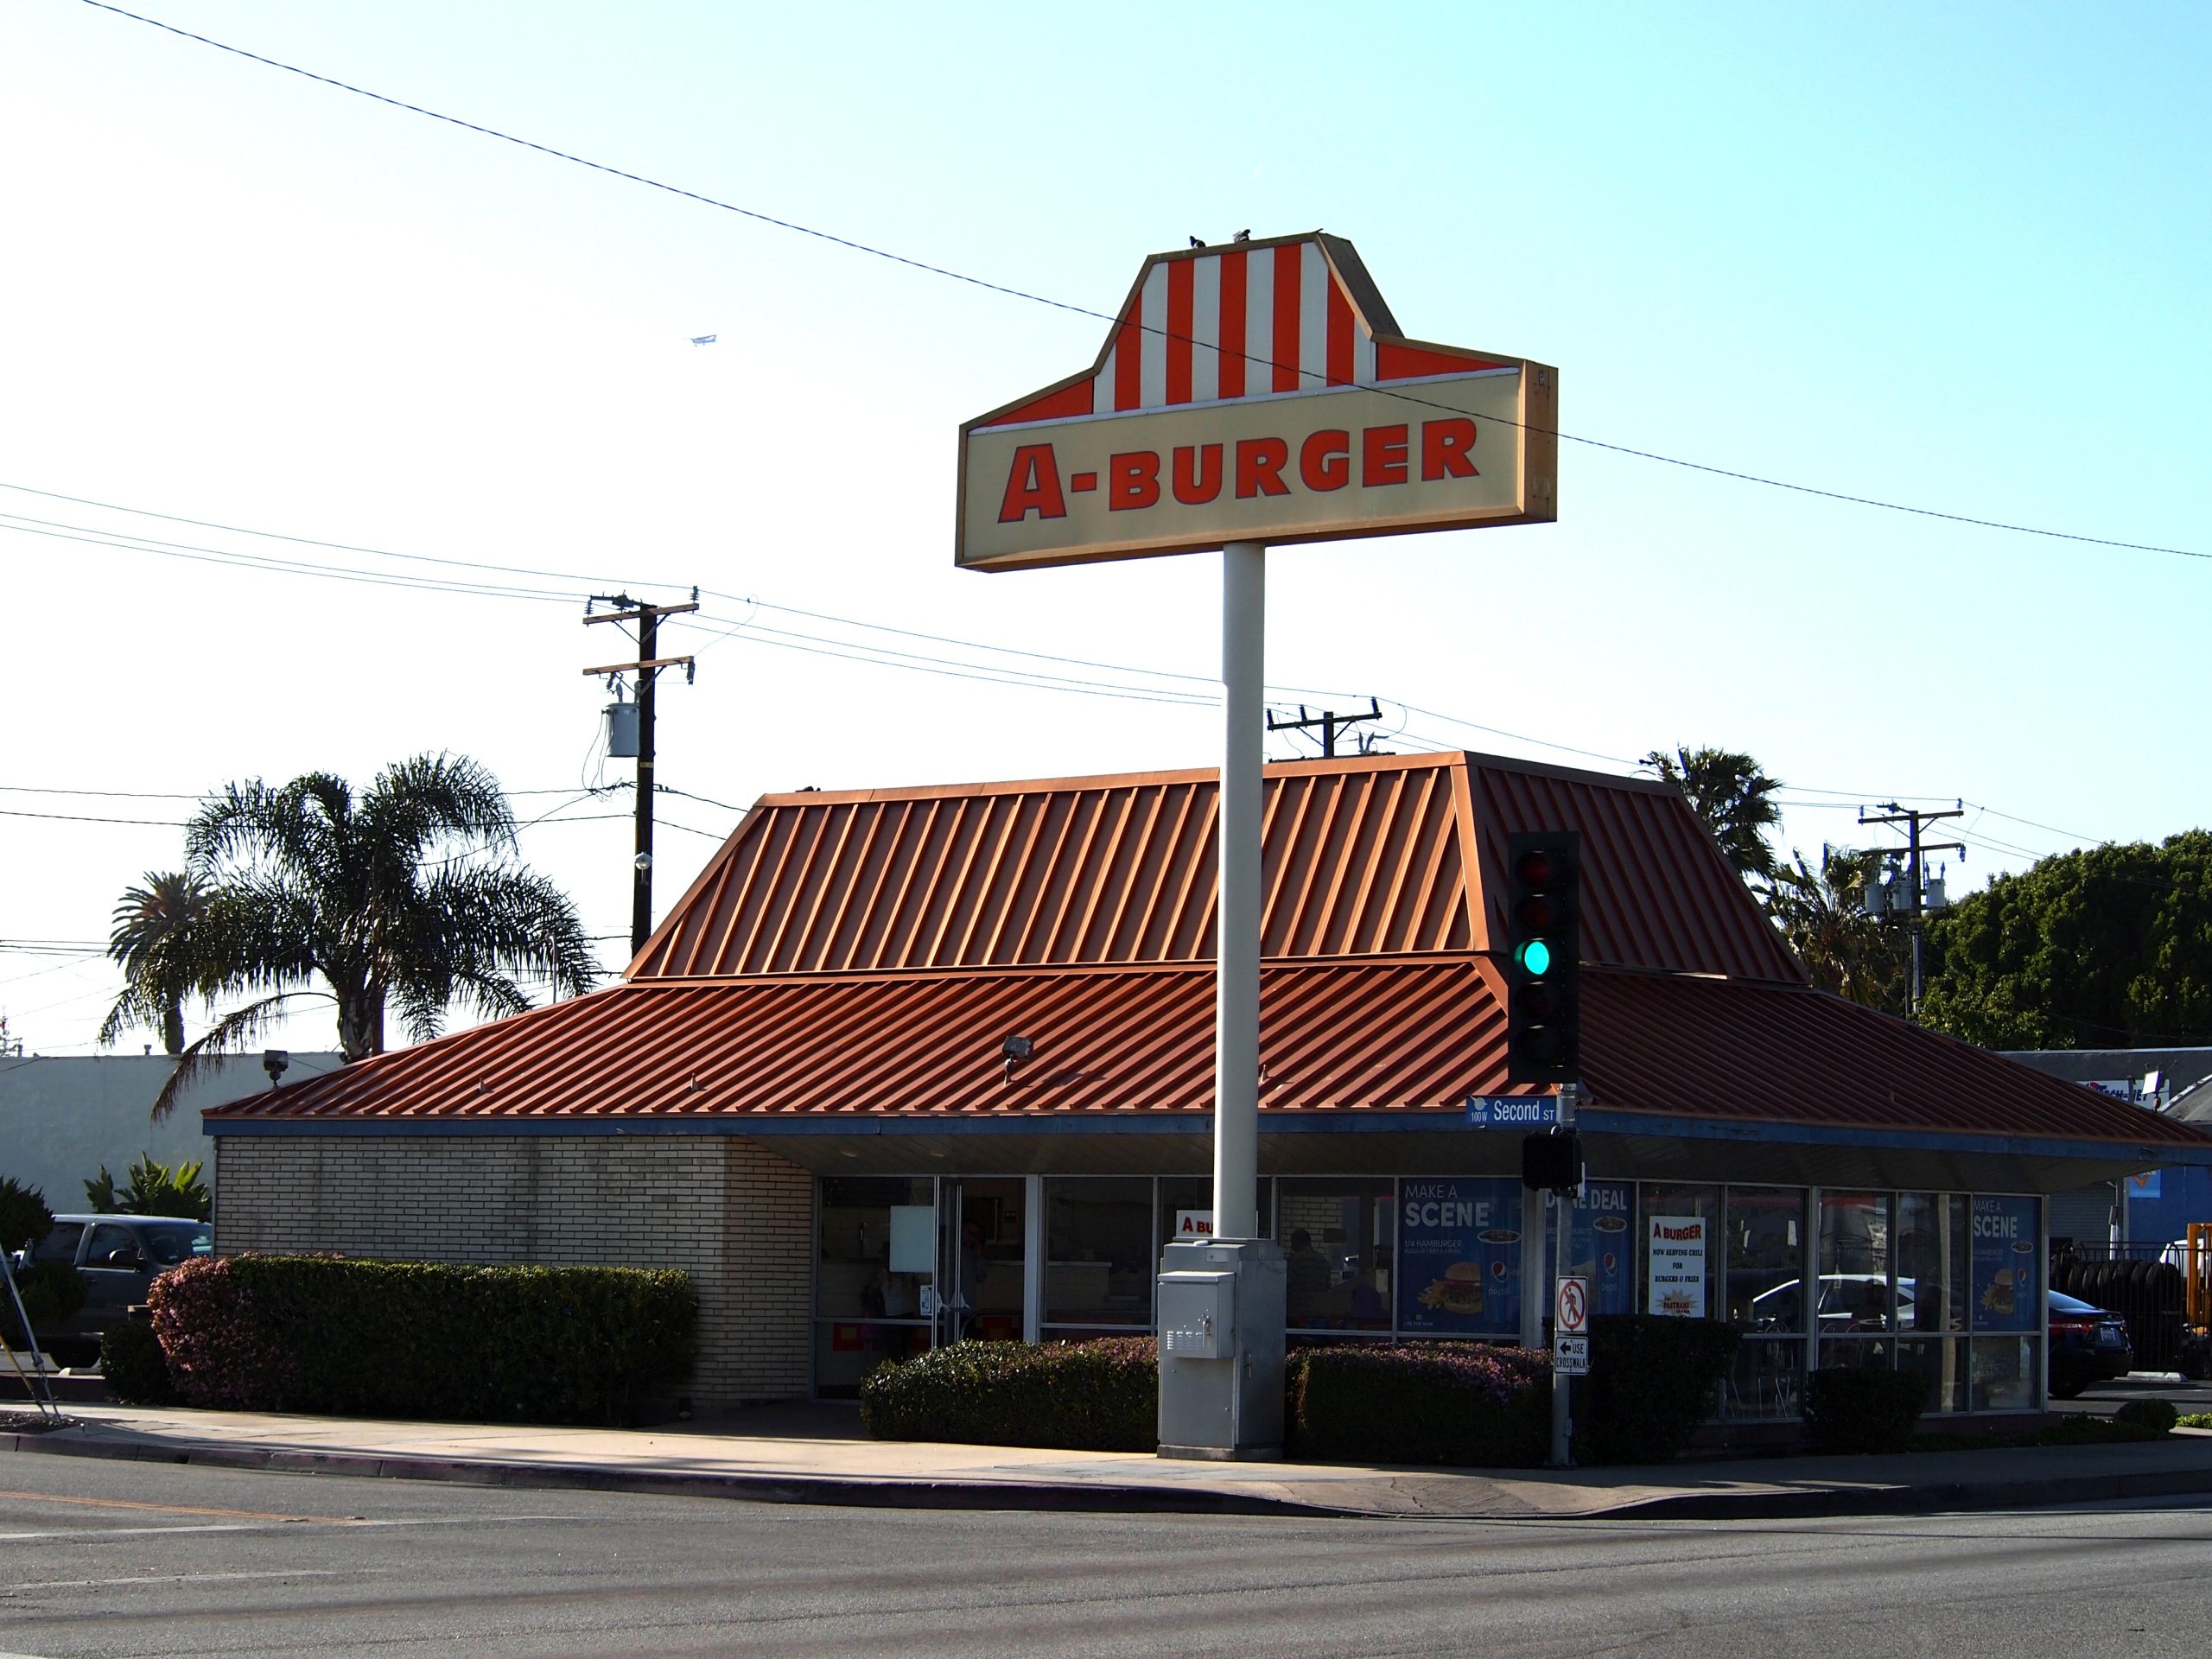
(1367, 857)
(1407, 1039)
(1112, 1041)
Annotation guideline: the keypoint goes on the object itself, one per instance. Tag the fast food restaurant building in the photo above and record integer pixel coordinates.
(909, 1065)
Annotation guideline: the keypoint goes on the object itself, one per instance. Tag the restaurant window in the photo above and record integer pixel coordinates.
(1854, 1315)
(1099, 1254)
(1186, 1205)
(1764, 1230)
(1932, 1293)
(875, 1250)
(2006, 1308)
(1676, 1263)
(1340, 1244)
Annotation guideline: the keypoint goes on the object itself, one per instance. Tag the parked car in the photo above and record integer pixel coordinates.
(1849, 1302)
(2087, 1344)
(120, 1257)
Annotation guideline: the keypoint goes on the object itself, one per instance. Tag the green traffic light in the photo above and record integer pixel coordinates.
(1536, 957)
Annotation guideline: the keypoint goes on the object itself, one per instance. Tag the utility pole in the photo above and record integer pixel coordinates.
(647, 669)
(1916, 851)
(1329, 721)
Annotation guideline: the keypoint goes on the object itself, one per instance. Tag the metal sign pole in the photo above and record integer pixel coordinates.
(1562, 1454)
(1236, 992)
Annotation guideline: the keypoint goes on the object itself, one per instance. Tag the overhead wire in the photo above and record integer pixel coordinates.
(950, 273)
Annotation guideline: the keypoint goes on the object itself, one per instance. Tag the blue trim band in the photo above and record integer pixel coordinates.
(1590, 1121)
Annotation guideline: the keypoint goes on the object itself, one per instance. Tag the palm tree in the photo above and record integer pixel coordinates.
(404, 897)
(1823, 916)
(153, 938)
(1734, 797)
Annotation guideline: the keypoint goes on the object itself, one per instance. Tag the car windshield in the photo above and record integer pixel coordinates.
(179, 1242)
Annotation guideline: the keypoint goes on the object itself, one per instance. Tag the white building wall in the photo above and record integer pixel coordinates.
(60, 1119)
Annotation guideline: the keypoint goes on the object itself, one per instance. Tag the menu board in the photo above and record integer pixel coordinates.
(1459, 1257)
(1675, 1250)
(2007, 1289)
(1598, 1246)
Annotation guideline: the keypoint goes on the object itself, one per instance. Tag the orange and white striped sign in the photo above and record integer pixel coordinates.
(1257, 391)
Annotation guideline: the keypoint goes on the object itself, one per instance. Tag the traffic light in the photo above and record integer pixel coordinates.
(1552, 1163)
(1544, 938)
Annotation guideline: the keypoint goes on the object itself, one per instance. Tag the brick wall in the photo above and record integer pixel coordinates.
(737, 1218)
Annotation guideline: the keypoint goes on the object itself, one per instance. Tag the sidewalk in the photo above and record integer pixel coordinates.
(817, 1455)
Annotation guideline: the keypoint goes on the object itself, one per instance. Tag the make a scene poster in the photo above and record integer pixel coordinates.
(1459, 1257)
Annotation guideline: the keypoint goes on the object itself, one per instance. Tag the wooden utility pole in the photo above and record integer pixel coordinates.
(647, 669)
(1916, 851)
(1329, 721)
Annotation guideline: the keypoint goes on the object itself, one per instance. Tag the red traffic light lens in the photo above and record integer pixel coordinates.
(1534, 913)
(1534, 868)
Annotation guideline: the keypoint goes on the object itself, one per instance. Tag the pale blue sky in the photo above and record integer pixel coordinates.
(1953, 257)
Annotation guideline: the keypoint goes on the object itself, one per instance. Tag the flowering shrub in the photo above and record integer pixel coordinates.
(422, 1339)
(1086, 1396)
(1462, 1403)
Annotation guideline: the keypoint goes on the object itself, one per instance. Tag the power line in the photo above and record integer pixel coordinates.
(874, 251)
(336, 547)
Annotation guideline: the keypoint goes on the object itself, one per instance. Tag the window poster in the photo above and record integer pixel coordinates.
(1598, 1244)
(1459, 1257)
(1675, 1250)
(2007, 1289)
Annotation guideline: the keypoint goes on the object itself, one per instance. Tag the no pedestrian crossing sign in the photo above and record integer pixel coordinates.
(1570, 1307)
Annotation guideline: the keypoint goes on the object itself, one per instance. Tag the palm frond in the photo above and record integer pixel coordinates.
(229, 1035)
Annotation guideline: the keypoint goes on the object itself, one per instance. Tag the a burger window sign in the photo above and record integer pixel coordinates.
(2005, 1251)
(1459, 1257)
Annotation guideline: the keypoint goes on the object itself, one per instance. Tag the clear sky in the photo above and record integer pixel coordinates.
(1949, 257)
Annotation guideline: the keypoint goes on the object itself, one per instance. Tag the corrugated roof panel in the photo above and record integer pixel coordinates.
(1656, 892)
(1337, 1037)
(1363, 859)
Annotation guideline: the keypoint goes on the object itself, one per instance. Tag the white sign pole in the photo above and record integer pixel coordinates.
(1237, 949)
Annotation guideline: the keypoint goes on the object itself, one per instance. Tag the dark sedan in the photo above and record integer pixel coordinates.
(2087, 1345)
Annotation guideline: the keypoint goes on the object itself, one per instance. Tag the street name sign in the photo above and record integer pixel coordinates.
(1258, 392)
(1512, 1111)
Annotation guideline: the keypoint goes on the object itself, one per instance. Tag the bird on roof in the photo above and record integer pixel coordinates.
(1242, 236)
(1198, 241)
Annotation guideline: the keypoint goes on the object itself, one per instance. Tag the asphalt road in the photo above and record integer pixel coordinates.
(2102, 1399)
(114, 1558)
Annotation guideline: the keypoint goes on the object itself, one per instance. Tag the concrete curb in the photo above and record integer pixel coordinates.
(832, 1490)
(1045, 1497)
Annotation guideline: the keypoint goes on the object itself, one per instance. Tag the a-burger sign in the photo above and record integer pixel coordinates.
(1259, 392)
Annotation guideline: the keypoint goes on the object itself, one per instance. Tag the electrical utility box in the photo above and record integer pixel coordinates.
(1221, 1348)
(622, 730)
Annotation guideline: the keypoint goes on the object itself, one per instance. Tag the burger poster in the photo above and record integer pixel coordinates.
(1459, 1257)
(1674, 1252)
(2007, 1294)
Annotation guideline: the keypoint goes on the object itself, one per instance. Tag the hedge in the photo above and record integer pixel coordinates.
(1459, 1403)
(1085, 1396)
(2159, 1416)
(1863, 1409)
(52, 1293)
(349, 1337)
(133, 1366)
(1653, 1381)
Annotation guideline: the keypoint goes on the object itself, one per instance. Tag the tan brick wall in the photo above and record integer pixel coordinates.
(737, 1218)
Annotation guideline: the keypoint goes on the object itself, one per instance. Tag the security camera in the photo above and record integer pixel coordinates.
(643, 862)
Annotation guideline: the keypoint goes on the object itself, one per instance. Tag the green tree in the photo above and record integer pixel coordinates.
(1734, 797)
(405, 897)
(1822, 915)
(2109, 947)
(152, 938)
